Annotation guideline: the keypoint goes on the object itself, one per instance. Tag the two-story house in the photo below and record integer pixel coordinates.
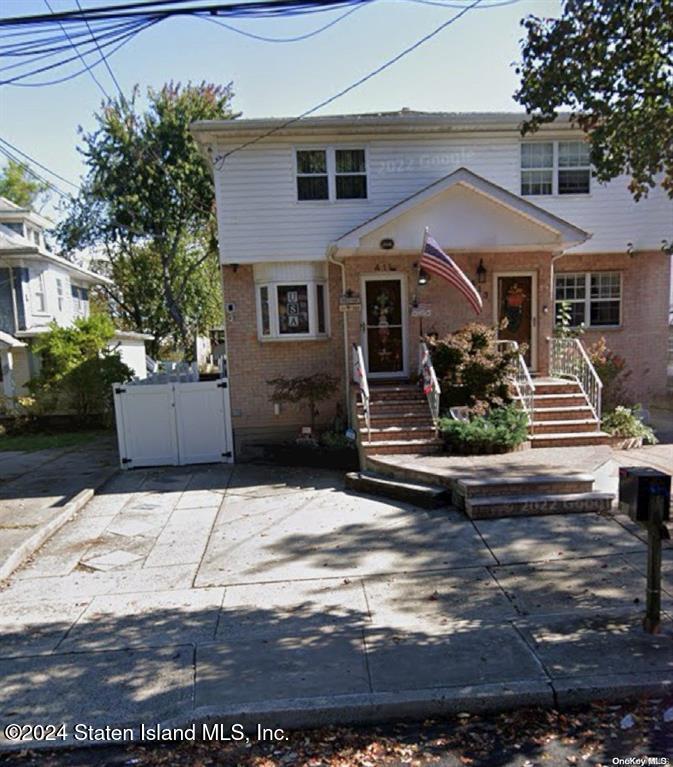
(38, 287)
(321, 225)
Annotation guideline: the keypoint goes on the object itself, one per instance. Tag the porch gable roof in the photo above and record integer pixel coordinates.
(564, 233)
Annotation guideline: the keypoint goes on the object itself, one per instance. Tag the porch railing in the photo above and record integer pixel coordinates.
(568, 359)
(523, 383)
(359, 375)
(430, 383)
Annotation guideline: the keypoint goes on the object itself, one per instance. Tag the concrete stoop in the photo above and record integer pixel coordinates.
(484, 496)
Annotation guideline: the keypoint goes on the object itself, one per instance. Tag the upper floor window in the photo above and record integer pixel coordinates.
(60, 297)
(40, 294)
(331, 174)
(594, 298)
(555, 167)
(80, 301)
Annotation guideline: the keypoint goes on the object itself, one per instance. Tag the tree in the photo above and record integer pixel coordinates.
(147, 203)
(20, 186)
(611, 64)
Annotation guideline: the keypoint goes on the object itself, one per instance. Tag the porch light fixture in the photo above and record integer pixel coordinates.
(423, 277)
(481, 272)
(667, 247)
(629, 249)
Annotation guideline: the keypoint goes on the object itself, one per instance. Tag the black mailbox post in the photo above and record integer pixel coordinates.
(645, 495)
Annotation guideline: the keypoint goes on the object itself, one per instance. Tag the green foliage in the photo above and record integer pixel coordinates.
(624, 422)
(610, 64)
(500, 430)
(147, 203)
(20, 186)
(472, 369)
(613, 372)
(336, 440)
(304, 389)
(78, 369)
(564, 327)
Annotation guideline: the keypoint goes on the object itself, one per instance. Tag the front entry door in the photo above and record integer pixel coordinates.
(516, 311)
(383, 326)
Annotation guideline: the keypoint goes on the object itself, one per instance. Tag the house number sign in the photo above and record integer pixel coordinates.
(385, 267)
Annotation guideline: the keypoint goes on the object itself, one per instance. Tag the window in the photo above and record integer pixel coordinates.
(59, 293)
(594, 298)
(351, 174)
(331, 174)
(573, 167)
(40, 294)
(76, 305)
(537, 168)
(287, 311)
(555, 167)
(312, 178)
(80, 301)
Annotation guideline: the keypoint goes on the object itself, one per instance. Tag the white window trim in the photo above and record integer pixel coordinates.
(40, 288)
(330, 153)
(587, 300)
(275, 334)
(554, 169)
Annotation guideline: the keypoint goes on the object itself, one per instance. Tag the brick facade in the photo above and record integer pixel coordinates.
(641, 338)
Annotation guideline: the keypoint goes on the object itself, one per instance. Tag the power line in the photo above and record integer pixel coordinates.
(38, 164)
(33, 173)
(83, 60)
(105, 61)
(221, 158)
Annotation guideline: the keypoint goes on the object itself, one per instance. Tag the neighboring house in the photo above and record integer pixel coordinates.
(330, 207)
(38, 287)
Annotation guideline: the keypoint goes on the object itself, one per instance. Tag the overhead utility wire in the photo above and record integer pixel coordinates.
(38, 164)
(33, 173)
(105, 61)
(221, 159)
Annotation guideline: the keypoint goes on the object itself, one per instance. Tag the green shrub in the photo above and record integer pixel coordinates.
(334, 440)
(500, 430)
(624, 422)
(613, 372)
(78, 369)
(304, 389)
(472, 369)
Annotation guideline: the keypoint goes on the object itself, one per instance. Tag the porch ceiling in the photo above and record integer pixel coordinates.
(464, 212)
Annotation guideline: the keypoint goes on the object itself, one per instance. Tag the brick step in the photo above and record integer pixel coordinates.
(392, 406)
(520, 485)
(557, 387)
(387, 433)
(566, 426)
(571, 413)
(423, 495)
(576, 439)
(395, 393)
(403, 446)
(559, 400)
(380, 420)
(536, 504)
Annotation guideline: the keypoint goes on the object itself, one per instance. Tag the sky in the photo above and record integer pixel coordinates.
(467, 67)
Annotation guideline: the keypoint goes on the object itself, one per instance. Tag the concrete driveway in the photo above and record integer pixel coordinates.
(265, 594)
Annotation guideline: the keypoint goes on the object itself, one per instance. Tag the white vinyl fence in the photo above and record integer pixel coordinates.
(173, 423)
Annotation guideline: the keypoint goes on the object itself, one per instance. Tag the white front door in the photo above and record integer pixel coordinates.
(384, 325)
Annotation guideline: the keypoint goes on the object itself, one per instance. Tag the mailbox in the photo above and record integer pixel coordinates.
(639, 490)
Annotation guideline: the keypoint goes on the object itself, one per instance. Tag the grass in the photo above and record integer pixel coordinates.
(44, 441)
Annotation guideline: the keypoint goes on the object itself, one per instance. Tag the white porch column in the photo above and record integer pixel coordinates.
(7, 363)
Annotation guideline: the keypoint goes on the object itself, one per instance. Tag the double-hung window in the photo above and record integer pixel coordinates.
(594, 298)
(331, 174)
(555, 167)
(292, 310)
(60, 297)
(40, 294)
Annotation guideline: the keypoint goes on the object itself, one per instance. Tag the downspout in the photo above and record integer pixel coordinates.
(331, 251)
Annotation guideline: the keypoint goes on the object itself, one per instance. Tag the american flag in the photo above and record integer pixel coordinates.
(435, 261)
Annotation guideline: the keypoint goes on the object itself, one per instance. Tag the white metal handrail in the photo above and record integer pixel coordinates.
(568, 359)
(359, 375)
(431, 387)
(522, 382)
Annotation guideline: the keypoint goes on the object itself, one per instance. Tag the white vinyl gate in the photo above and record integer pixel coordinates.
(173, 424)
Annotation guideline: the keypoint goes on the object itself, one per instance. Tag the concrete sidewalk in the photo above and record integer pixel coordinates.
(42, 490)
(263, 595)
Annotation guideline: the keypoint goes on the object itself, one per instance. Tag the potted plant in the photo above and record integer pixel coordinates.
(627, 428)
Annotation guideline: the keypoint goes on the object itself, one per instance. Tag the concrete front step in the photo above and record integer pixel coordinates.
(537, 504)
(559, 400)
(423, 495)
(570, 413)
(576, 439)
(566, 426)
(520, 485)
(424, 431)
(402, 446)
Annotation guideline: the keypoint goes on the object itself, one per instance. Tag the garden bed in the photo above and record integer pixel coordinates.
(314, 457)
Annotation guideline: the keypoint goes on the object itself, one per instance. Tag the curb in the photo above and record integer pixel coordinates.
(43, 533)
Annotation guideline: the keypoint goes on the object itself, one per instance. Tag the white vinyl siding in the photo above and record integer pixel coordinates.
(594, 298)
(260, 219)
